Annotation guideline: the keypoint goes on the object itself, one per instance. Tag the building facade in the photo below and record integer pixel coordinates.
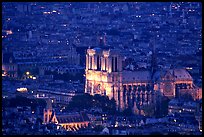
(70, 122)
(9, 65)
(105, 76)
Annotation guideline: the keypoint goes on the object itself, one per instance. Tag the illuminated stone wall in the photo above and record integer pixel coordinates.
(103, 72)
(104, 75)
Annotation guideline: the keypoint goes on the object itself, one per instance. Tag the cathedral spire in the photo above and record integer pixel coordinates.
(102, 40)
(153, 59)
(49, 104)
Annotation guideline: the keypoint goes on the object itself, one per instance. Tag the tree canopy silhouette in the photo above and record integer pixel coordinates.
(87, 101)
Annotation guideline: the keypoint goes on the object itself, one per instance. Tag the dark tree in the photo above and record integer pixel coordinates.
(80, 102)
(86, 101)
(127, 112)
(98, 128)
(187, 97)
(149, 109)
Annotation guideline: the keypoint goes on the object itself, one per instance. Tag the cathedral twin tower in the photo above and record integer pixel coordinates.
(105, 76)
(102, 68)
(131, 89)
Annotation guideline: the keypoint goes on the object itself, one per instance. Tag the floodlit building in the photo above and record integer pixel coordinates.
(105, 76)
(9, 65)
(70, 122)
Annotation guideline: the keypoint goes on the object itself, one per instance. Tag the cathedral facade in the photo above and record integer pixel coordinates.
(105, 76)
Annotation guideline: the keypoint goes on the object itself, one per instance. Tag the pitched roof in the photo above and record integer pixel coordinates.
(72, 118)
(180, 74)
(136, 76)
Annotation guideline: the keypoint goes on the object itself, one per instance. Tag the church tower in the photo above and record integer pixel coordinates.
(102, 40)
(153, 58)
(103, 72)
(48, 111)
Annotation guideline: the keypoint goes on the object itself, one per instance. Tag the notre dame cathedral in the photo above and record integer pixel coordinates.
(105, 76)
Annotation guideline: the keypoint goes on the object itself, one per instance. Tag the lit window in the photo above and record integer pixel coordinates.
(179, 111)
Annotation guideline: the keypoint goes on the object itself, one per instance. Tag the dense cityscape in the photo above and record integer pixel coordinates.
(101, 68)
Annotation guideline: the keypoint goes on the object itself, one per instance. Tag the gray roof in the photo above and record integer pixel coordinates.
(71, 118)
(179, 74)
(131, 76)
